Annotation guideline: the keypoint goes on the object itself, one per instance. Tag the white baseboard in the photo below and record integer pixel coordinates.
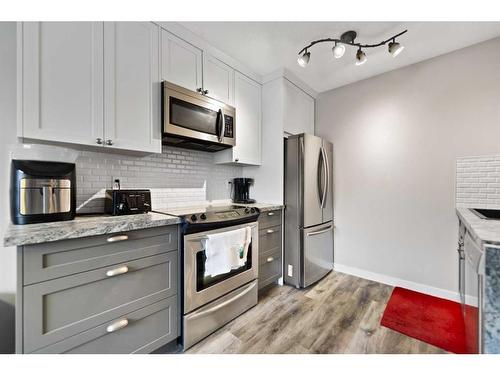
(394, 281)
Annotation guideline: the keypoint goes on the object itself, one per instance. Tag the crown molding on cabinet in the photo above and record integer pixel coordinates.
(292, 78)
(197, 41)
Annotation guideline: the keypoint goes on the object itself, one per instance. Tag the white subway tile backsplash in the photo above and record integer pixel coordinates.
(478, 182)
(176, 177)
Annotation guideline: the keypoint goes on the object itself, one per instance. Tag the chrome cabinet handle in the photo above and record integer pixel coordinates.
(121, 237)
(109, 142)
(269, 231)
(320, 231)
(269, 259)
(117, 325)
(98, 141)
(117, 271)
(270, 214)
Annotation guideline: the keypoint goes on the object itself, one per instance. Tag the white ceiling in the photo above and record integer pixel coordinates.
(267, 46)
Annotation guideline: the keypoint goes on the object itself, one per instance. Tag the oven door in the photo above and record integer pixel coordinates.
(188, 114)
(200, 289)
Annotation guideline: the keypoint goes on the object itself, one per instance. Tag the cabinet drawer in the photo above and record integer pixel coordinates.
(57, 309)
(269, 238)
(269, 256)
(62, 258)
(269, 219)
(269, 272)
(146, 329)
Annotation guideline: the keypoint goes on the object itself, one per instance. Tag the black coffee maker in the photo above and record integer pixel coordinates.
(241, 190)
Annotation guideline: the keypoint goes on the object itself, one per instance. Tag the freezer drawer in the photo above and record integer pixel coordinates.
(317, 252)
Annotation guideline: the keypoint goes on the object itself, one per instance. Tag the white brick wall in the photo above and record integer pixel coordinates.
(478, 182)
(177, 176)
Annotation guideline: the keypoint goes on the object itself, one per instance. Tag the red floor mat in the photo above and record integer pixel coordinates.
(436, 321)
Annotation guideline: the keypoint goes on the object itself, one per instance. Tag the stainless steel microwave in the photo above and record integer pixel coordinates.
(193, 120)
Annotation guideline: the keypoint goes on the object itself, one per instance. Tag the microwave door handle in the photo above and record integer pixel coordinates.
(220, 125)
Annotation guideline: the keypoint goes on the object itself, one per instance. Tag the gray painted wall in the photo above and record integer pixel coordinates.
(396, 138)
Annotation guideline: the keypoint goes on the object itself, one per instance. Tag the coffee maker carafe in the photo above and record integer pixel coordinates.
(241, 190)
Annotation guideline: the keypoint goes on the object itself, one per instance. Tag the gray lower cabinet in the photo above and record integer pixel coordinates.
(100, 296)
(270, 247)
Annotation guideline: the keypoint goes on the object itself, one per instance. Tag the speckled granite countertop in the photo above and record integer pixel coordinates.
(263, 207)
(83, 226)
(484, 231)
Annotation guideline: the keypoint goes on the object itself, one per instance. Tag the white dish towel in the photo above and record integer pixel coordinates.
(226, 251)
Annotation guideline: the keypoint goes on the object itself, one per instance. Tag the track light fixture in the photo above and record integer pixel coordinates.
(395, 48)
(347, 38)
(303, 60)
(360, 57)
(338, 50)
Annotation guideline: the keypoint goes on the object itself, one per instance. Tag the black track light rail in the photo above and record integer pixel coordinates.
(359, 45)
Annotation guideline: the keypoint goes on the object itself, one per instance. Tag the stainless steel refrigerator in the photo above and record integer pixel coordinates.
(308, 254)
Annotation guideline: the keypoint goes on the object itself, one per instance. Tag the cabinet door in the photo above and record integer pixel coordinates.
(299, 110)
(247, 99)
(62, 81)
(180, 62)
(218, 79)
(132, 86)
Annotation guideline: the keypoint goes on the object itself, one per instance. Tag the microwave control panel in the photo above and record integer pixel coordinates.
(229, 127)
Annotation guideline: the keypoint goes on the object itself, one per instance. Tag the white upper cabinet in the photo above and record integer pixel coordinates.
(181, 62)
(132, 86)
(91, 83)
(61, 81)
(218, 79)
(248, 101)
(298, 110)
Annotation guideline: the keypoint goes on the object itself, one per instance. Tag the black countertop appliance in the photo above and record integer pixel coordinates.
(241, 190)
(42, 191)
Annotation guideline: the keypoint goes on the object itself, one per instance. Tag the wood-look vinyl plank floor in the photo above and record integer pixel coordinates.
(339, 314)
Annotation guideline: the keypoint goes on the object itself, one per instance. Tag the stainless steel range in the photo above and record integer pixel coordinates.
(211, 299)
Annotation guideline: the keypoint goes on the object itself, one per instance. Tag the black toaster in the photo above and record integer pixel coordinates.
(127, 202)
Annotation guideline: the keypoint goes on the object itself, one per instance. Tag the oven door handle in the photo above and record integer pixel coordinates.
(195, 239)
(225, 303)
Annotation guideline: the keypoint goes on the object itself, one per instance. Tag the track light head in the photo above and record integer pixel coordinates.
(360, 57)
(395, 48)
(338, 50)
(303, 60)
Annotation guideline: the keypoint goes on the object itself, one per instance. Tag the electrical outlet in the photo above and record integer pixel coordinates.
(290, 270)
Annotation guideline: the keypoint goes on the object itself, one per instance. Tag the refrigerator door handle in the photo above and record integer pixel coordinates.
(327, 177)
(320, 231)
(321, 193)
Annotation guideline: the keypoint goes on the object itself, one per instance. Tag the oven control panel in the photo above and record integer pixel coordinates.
(221, 215)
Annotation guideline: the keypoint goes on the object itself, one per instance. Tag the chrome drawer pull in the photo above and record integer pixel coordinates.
(121, 237)
(269, 259)
(269, 231)
(117, 271)
(117, 325)
(270, 214)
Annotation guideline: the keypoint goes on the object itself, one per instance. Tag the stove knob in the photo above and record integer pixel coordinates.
(193, 218)
(252, 210)
(121, 207)
(203, 217)
(247, 210)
